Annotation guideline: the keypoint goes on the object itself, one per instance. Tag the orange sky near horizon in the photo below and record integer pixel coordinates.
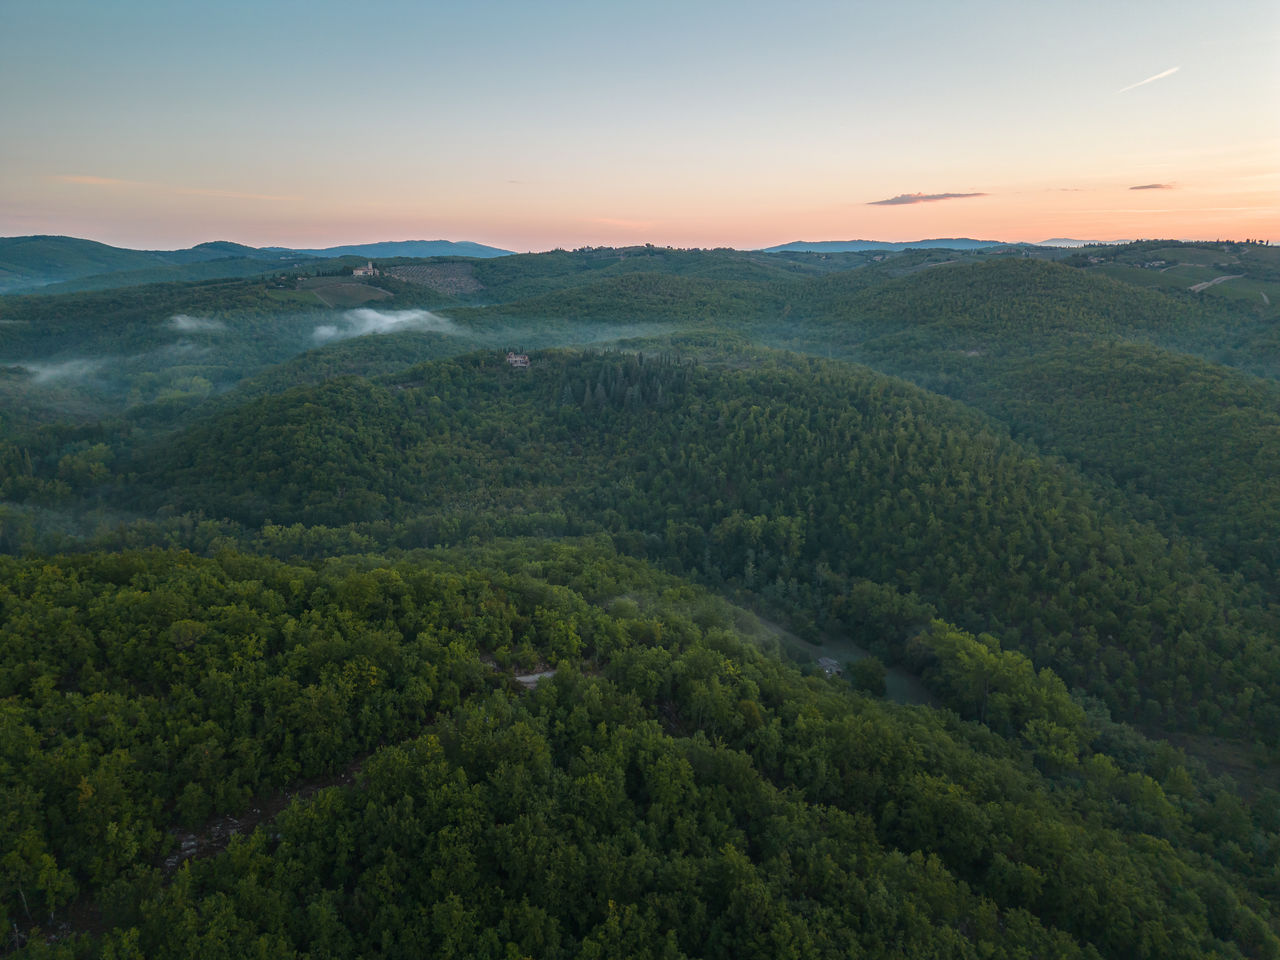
(711, 124)
(546, 220)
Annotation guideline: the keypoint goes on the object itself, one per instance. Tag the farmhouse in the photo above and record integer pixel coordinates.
(369, 270)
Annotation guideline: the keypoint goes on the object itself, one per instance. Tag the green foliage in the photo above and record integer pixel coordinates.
(798, 482)
(1199, 441)
(670, 782)
(868, 675)
(671, 785)
(33, 261)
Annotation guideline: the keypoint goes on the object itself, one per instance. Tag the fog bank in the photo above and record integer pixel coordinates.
(359, 323)
(65, 370)
(189, 324)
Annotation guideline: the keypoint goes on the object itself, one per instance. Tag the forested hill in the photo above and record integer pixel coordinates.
(64, 263)
(330, 628)
(671, 792)
(1117, 378)
(1199, 444)
(1012, 306)
(794, 479)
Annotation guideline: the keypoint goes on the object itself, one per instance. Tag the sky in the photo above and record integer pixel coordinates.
(696, 123)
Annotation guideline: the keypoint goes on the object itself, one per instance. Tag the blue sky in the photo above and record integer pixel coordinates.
(561, 124)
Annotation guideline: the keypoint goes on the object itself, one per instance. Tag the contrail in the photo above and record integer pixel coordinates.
(1158, 76)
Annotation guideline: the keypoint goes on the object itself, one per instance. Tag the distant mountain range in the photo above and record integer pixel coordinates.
(61, 264)
(852, 246)
(31, 263)
(402, 248)
(950, 243)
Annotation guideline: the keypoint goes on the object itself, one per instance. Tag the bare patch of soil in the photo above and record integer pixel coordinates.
(1196, 288)
(214, 835)
(531, 680)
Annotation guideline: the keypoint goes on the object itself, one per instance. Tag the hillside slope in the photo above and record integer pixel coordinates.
(794, 480)
(672, 791)
(311, 648)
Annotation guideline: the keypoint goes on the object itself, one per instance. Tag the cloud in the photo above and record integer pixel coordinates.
(188, 324)
(359, 323)
(1153, 186)
(920, 198)
(66, 370)
(1142, 83)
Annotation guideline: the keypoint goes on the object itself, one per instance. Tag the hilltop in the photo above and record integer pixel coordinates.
(844, 246)
(31, 263)
(405, 248)
(891, 602)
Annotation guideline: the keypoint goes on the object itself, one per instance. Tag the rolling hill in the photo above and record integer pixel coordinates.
(326, 631)
(845, 246)
(32, 263)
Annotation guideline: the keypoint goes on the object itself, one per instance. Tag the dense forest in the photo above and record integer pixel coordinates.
(330, 632)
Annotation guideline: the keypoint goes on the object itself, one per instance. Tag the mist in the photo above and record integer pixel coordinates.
(364, 321)
(79, 369)
(189, 324)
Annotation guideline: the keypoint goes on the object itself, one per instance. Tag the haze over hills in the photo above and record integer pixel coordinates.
(951, 243)
(29, 263)
(841, 246)
(1069, 242)
(405, 248)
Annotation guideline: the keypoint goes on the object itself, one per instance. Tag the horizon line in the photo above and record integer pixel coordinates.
(664, 246)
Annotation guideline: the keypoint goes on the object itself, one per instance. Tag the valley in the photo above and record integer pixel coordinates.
(265, 538)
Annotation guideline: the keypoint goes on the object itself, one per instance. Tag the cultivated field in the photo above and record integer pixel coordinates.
(342, 292)
(454, 279)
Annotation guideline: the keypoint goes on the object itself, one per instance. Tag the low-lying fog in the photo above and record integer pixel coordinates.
(188, 324)
(77, 369)
(191, 356)
(359, 323)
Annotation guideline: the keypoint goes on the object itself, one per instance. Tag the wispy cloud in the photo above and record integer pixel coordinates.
(189, 324)
(1153, 186)
(1142, 83)
(78, 369)
(89, 180)
(920, 198)
(359, 323)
